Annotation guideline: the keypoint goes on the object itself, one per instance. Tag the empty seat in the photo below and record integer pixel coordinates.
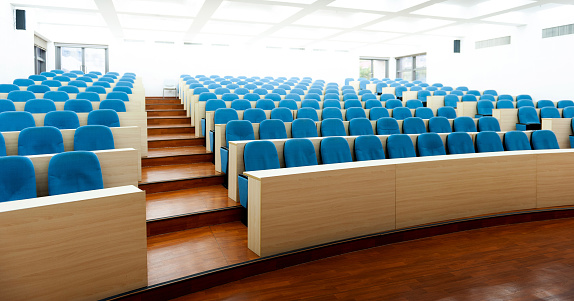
(229, 97)
(464, 124)
(387, 126)
(523, 96)
(516, 140)
(544, 139)
(257, 155)
(20, 96)
(283, 114)
(7, 105)
(369, 96)
(376, 113)
(91, 96)
(273, 97)
(105, 117)
(118, 95)
(369, 147)
(488, 123)
(254, 115)
(127, 90)
(303, 128)
(17, 179)
(57, 96)
(354, 103)
(484, 108)
(39, 106)
(252, 97)
(528, 119)
(40, 140)
(75, 171)
(310, 103)
(487, 97)
(78, 105)
(335, 150)
(414, 125)
(38, 78)
(568, 112)
(16, 121)
(393, 103)
(308, 113)
(22, 82)
(524, 103)
(400, 146)
(96, 89)
(451, 100)
(69, 89)
(288, 103)
(473, 92)
(373, 103)
(62, 120)
(387, 96)
(240, 104)
(332, 127)
(299, 152)
(360, 126)
(424, 113)
(545, 103)
(38, 88)
(490, 92)
(423, 95)
(236, 130)
(549, 112)
(504, 104)
(113, 104)
(414, 103)
(352, 113)
(52, 83)
(439, 124)
(402, 113)
(459, 143)
(272, 129)
(430, 144)
(331, 113)
(505, 97)
(488, 142)
(313, 96)
(265, 104)
(565, 103)
(78, 83)
(469, 97)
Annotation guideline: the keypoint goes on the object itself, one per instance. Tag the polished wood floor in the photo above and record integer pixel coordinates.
(530, 261)
(177, 172)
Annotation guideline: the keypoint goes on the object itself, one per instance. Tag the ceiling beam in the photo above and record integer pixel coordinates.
(207, 10)
(108, 11)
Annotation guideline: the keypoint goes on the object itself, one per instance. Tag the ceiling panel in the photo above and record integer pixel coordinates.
(338, 19)
(365, 36)
(188, 8)
(83, 4)
(230, 27)
(285, 43)
(157, 23)
(377, 5)
(409, 24)
(69, 18)
(153, 35)
(254, 12)
(303, 32)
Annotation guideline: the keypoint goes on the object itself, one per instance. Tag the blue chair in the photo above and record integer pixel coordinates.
(303, 128)
(468, 97)
(353, 103)
(369, 96)
(524, 103)
(440, 93)
(373, 103)
(7, 105)
(350, 96)
(299, 152)
(288, 103)
(484, 108)
(229, 97)
(113, 104)
(505, 97)
(69, 89)
(528, 119)
(387, 96)
(565, 103)
(393, 103)
(457, 93)
(279, 91)
(387, 126)
(100, 84)
(544, 139)
(257, 155)
(464, 124)
(57, 96)
(369, 147)
(62, 120)
(354, 112)
(118, 95)
(414, 103)
(424, 113)
(20, 96)
(523, 96)
(332, 127)
(236, 130)
(272, 129)
(38, 88)
(40, 140)
(331, 113)
(360, 126)
(335, 150)
(430, 144)
(17, 179)
(423, 95)
(96, 89)
(545, 103)
(402, 113)
(314, 96)
(376, 113)
(90, 96)
(416, 89)
(488, 123)
(414, 125)
(568, 112)
(504, 104)
(459, 143)
(22, 82)
(283, 114)
(241, 104)
(310, 103)
(52, 83)
(39, 106)
(516, 140)
(75, 171)
(78, 83)
(86, 79)
(70, 75)
(16, 121)
(104, 117)
(451, 101)
(490, 92)
(273, 97)
(221, 116)
(332, 96)
(488, 142)
(7, 88)
(473, 92)
(241, 91)
(308, 113)
(205, 96)
(37, 78)
(254, 115)
(439, 124)
(251, 97)
(265, 104)
(124, 83)
(400, 146)
(549, 112)
(487, 97)
(106, 80)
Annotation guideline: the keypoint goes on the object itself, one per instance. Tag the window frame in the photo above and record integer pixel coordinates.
(372, 59)
(414, 69)
(58, 47)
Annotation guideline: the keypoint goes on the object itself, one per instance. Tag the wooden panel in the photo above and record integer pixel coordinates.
(408, 95)
(79, 246)
(435, 102)
(467, 108)
(456, 188)
(507, 118)
(119, 168)
(554, 178)
(562, 128)
(292, 208)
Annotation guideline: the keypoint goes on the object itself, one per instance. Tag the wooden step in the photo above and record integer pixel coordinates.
(181, 176)
(162, 120)
(159, 143)
(164, 106)
(160, 100)
(170, 129)
(193, 220)
(166, 113)
(177, 155)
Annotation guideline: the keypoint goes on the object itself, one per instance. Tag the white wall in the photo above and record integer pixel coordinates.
(529, 65)
(17, 50)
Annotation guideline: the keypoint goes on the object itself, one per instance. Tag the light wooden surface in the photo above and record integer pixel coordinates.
(507, 118)
(562, 128)
(78, 246)
(467, 108)
(119, 168)
(423, 189)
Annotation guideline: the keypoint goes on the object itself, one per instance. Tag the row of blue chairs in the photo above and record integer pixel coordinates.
(67, 173)
(41, 105)
(263, 155)
(48, 140)
(71, 88)
(19, 120)
(23, 96)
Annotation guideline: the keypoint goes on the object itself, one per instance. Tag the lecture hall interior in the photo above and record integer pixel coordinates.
(286, 150)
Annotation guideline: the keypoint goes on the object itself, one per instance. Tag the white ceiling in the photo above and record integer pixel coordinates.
(311, 24)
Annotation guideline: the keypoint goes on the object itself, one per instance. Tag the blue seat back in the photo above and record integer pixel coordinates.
(7, 88)
(459, 143)
(524, 103)
(303, 128)
(549, 112)
(299, 152)
(414, 125)
(451, 101)
(205, 96)
(353, 112)
(75, 171)
(430, 144)
(251, 97)
(373, 103)
(484, 107)
(516, 140)
(545, 103)
(240, 104)
(565, 103)
(544, 139)
(214, 104)
(39, 106)
(239, 130)
(332, 127)
(22, 82)
(400, 146)
(17, 179)
(469, 97)
(260, 155)
(528, 115)
(93, 137)
(439, 124)
(272, 129)
(424, 113)
(69, 89)
(335, 150)
(331, 113)
(369, 147)
(229, 97)
(283, 114)
(105, 117)
(96, 89)
(393, 103)
(20, 96)
(7, 105)
(387, 126)
(113, 104)
(273, 97)
(62, 120)
(464, 124)
(402, 113)
(376, 113)
(254, 115)
(488, 142)
(310, 103)
(40, 140)
(504, 104)
(57, 96)
(308, 113)
(488, 123)
(568, 112)
(16, 121)
(414, 103)
(288, 103)
(360, 126)
(52, 83)
(118, 95)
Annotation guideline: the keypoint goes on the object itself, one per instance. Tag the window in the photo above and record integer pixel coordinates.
(373, 68)
(39, 60)
(412, 67)
(82, 57)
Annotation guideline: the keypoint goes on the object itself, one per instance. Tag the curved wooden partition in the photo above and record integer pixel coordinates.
(294, 208)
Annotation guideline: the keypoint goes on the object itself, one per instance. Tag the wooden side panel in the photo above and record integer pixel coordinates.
(562, 128)
(443, 190)
(80, 246)
(554, 179)
(507, 118)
